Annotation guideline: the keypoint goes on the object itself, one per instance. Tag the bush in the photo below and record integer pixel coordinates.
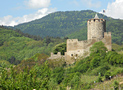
(107, 75)
(95, 62)
(75, 81)
(98, 48)
(58, 74)
(115, 84)
(60, 48)
(67, 78)
(103, 69)
(99, 78)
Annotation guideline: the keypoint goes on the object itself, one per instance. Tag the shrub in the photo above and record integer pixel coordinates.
(99, 78)
(98, 48)
(107, 75)
(58, 74)
(60, 48)
(115, 84)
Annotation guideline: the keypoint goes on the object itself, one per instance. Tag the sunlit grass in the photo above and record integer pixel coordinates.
(88, 79)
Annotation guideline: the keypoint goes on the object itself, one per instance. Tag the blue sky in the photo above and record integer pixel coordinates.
(19, 11)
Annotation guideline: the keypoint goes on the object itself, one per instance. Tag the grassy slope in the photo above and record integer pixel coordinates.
(108, 85)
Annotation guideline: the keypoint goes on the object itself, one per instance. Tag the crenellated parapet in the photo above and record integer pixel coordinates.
(96, 20)
(56, 56)
(74, 44)
(72, 40)
(107, 34)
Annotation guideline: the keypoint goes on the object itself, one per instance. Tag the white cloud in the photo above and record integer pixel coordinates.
(11, 21)
(89, 3)
(8, 20)
(38, 3)
(115, 9)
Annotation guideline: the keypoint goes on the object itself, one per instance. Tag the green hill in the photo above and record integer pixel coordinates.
(72, 24)
(99, 71)
(15, 46)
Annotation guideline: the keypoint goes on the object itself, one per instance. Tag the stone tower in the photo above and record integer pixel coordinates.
(78, 49)
(96, 28)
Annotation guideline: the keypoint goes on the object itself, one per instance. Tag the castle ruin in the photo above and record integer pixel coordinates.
(96, 31)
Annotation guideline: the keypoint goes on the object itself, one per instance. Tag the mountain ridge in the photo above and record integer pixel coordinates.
(72, 24)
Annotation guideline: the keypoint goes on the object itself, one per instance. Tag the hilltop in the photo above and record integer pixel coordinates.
(71, 24)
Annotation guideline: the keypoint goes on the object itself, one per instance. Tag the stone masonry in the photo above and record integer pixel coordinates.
(96, 31)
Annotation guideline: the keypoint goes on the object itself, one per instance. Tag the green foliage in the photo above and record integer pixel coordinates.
(59, 24)
(116, 70)
(99, 49)
(99, 79)
(95, 62)
(71, 24)
(67, 78)
(36, 72)
(107, 75)
(58, 74)
(114, 58)
(56, 63)
(60, 48)
(116, 85)
(75, 81)
(16, 47)
(34, 78)
(117, 47)
(4, 63)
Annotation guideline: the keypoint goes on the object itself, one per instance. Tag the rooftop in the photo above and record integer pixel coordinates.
(96, 17)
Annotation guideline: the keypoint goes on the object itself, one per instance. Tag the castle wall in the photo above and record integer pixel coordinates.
(74, 47)
(77, 49)
(107, 40)
(72, 44)
(56, 56)
(96, 32)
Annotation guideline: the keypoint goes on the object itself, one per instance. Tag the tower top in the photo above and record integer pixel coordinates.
(96, 17)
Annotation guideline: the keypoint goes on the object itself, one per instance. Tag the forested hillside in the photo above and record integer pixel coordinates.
(16, 46)
(24, 63)
(72, 24)
(97, 71)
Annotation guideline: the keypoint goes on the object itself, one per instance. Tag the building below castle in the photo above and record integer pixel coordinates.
(96, 31)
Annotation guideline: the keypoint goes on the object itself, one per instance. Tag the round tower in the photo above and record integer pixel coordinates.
(96, 28)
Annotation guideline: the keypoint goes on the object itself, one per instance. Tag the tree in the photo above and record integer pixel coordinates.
(98, 48)
(12, 59)
(60, 48)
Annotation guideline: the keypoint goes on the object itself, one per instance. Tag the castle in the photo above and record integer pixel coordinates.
(96, 31)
